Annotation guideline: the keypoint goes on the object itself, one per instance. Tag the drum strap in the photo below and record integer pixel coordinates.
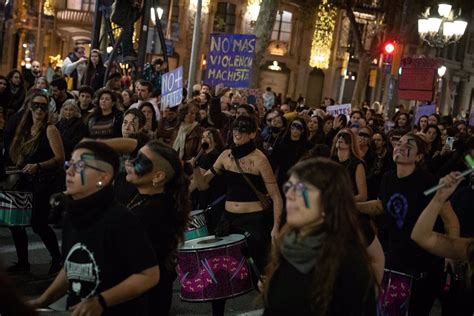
(261, 197)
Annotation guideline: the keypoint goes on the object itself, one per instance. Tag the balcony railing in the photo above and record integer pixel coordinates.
(75, 17)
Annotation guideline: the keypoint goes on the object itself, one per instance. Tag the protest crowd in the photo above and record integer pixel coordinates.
(319, 207)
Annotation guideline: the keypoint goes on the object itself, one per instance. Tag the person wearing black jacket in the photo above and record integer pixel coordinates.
(109, 261)
(71, 127)
(95, 72)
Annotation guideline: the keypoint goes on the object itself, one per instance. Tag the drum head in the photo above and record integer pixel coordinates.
(211, 242)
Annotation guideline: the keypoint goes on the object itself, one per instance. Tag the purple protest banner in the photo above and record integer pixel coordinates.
(424, 110)
(230, 60)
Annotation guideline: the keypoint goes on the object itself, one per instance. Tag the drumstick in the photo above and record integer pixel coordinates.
(469, 160)
(252, 263)
(13, 171)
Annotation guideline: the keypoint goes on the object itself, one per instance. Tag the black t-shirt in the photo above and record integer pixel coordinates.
(103, 254)
(290, 290)
(158, 215)
(403, 201)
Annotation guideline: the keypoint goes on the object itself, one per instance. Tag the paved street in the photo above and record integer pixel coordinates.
(34, 283)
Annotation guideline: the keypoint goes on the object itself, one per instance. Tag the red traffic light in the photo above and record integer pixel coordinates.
(389, 48)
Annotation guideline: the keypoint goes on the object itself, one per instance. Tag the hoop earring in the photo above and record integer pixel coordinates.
(99, 184)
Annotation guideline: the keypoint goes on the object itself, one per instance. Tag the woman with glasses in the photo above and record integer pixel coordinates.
(37, 151)
(318, 264)
(290, 150)
(109, 261)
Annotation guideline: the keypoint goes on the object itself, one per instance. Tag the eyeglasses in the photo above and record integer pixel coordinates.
(345, 136)
(299, 187)
(39, 105)
(79, 166)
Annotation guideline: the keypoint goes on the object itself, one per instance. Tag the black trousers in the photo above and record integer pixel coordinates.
(425, 291)
(259, 226)
(39, 222)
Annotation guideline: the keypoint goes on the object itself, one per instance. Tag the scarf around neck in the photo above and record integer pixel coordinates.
(180, 141)
(242, 150)
(84, 212)
(302, 252)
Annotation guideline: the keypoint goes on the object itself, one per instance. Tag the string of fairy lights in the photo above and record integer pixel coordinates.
(325, 23)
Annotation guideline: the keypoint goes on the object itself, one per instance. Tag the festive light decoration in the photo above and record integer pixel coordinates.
(55, 61)
(322, 36)
(253, 9)
(205, 6)
(48, 8)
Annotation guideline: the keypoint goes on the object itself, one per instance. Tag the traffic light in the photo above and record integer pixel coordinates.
(389, 48)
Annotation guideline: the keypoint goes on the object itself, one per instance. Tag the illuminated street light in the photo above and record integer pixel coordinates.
(441, 28)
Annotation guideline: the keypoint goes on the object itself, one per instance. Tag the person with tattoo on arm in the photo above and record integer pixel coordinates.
(244, 209)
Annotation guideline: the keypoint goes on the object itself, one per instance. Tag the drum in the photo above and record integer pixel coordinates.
(197, 226)
(395, 293)
(15, 208)
(211, 268)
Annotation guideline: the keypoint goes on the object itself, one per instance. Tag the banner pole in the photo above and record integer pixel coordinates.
(194, 48)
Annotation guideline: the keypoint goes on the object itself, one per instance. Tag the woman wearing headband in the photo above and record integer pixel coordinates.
(162, 204)
(109, 260)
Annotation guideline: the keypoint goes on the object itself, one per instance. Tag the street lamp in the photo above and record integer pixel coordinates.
(441, 28)
(442, 71)
(154, 13)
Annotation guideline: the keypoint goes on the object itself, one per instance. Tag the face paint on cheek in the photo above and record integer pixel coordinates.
(411, 141)
(142, 165)
(85, 156)
(306, 199)
(83, 178)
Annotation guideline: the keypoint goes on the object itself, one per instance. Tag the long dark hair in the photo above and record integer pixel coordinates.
(215, 112)
(436, 144)
(22, 144)
(340, 225)
(91, 68)
(178, 188)
(154, 123)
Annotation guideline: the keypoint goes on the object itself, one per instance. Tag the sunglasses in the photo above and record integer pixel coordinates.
(297, 126)
(39, 105)
(345, 136)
